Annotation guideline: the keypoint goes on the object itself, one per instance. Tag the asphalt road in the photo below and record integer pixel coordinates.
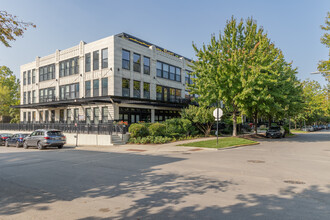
(278, 179)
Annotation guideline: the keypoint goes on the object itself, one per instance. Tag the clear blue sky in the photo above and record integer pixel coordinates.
(294, 26)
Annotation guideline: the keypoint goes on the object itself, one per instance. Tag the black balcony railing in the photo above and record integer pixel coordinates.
(81, 128)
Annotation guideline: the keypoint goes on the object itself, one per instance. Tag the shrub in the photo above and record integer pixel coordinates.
(138, 130)
(157, 129)
(177, 127)
(150, 139)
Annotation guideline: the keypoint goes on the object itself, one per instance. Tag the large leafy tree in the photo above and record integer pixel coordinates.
(238, 68)
(324, 65)
(9, 92)
(11, 27)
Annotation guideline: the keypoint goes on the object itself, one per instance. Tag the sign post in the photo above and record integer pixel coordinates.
(217, 113)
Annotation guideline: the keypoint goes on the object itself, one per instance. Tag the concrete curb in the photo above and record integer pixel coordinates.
(237, 146)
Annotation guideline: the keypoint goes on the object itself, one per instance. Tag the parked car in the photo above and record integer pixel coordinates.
(277, 132)
(16, 140)
(3, 138)
(307, 128)
(45, 138)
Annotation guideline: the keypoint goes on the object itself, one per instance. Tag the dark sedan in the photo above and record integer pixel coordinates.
(275, 132)
(16, 140)
(3, 138)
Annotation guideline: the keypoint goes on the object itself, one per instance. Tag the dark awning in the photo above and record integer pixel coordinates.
(103, 99)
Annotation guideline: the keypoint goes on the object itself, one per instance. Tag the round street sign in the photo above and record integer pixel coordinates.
(215, 114)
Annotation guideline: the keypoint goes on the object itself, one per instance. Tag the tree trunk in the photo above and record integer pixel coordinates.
(234, 124)
(295, 124)
(256, 122)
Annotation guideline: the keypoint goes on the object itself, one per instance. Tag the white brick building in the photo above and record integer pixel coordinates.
(116, 78)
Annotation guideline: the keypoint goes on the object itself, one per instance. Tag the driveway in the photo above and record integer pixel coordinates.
(278, 179)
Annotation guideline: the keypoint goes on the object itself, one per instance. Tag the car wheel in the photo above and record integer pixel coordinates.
(17, 144)
(60, 146)
(6, 144)
(40, 147)
(25, 145)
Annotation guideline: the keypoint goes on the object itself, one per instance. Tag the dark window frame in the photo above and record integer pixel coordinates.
(104, 86)
(96, 87)
(88, 88)
(125, 61)
(146, 68)
(96, 60)
(137, 62)
(126, 90)
(104, 63)
(87, 62)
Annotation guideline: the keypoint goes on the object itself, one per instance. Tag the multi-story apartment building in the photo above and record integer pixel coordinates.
(116, 78)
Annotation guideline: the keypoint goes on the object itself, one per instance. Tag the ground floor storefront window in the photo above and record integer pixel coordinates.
(134, 115)
(162, 115)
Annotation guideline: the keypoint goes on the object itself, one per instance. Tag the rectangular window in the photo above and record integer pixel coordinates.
(33, 76)
(165, 70)
(24, 116)
(34, 97)
(70, 91)
(29, 117)
(159, 69)
(88, 115)
(165, 93)
(41, 116)
(87, 62)
(47, 94)
(146, 90)
(137, 62)
(68, 116)
(69, 67)
(105, 113)
(87, 88)
(29, 77)
(96, 115)
(172, 95)
(29, 97)
(136, 89)
(46, 116)
(61, 115)
(33, 116)
(47, 72)
(96, 60)
(146, 65)
(105, 58)
(76, 114)
(125, 87)
(104, 86)
(178, 74)
(24, 78)
(172, 73)
(24, 98)
(96, 87)
(159, 93)
(177, 95)
(125, 59)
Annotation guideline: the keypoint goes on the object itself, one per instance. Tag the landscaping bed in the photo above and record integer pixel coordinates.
(223, 143)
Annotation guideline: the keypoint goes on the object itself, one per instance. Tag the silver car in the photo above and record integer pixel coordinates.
(44, 138)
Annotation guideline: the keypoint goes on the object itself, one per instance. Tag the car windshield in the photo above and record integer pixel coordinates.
(54, 133)
(6, 135)
(275, 128)
(24, 135)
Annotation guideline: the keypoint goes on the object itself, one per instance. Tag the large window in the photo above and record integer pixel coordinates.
(47, 72)
(47, 94)
(24, 78)
(69, 67)
(29, 97)
(105, 113)
(137, 62)
(87, 62)
(33, 76)
(96, 115)
(125, 87)
(68, 116)
(167, 71)
(29, 77)
(34, 96)
(146, 90)
(168, 94)
(105, 58)
(87, 88)
(76, 114)
(70, 91)
(125, 59)
(146, 65)
(88, 113)
(136, 89)
(96, 87)
(24, 98)
(104, 86)
(96, 60)
(162, 115)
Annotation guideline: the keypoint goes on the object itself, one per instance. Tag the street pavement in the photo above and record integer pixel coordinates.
(277, 179)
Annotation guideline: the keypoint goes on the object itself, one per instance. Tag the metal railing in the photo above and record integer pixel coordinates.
(81, 128)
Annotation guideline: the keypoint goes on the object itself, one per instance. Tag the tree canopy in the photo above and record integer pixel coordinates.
(11, 27)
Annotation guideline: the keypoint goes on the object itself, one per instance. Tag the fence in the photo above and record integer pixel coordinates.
(81, 128)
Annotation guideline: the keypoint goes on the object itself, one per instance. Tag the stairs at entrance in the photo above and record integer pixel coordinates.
(116, 140)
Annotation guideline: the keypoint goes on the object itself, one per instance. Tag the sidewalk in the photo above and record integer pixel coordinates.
(151, 148)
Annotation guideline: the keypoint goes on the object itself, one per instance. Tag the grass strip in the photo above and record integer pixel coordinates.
(298, 131)
(223, 142)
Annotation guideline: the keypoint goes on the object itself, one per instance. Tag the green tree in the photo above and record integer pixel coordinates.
(201, 117)
(324, 65)
(11, 27)
(9, 93)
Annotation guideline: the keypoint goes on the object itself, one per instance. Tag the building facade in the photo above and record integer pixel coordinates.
(118, 78)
